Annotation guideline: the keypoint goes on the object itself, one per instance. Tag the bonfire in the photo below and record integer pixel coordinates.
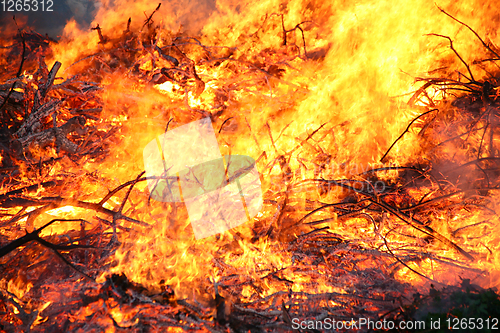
(252, 167)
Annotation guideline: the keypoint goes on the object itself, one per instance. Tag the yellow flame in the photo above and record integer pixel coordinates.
(358, 56)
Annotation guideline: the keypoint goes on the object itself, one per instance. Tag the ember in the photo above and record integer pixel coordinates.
(355, 148)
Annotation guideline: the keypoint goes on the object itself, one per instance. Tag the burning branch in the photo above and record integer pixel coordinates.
(298, 26)
(471, 78)
(19, 72)
(405, 131)
(472, 30)
(411, 221)
(377, 229)
(148, 20)
(56, 135)
(102, 38)
(34, 236)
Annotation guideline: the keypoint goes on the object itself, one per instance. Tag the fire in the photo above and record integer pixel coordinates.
(61, 210)
(359, 185)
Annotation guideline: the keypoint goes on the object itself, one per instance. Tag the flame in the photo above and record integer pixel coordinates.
(326, 104)
(19, 286)
(61, 210)
(39, 319)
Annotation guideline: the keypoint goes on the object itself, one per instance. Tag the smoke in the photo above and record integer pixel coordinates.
(47, 17)
(188, 16)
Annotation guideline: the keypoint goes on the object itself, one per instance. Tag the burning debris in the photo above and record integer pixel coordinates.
(343, 232)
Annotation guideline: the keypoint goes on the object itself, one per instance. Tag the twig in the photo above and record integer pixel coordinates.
(309, 136)
(151, 16)
(404, 264)
(417, 93)
(406, 130)
(56, 134)
(423, 228)
(19, 72)
(34, 236)
(458, 55)
(312, 232)
(102, 39)
(484, 159)
(410, 220)
(424, 203)
(326, 206)
(475, 33)
(293, 29)
(225, 121)
(128, 25)
(135, 181)
(279, 214)
(56, 202)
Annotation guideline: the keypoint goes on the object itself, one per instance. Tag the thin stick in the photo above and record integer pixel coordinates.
(34, 236)
(458, 55)
(475, 33)
(225, 121)
(151, 16)
(423, 228)
(410, 220)
(296, 27)
(129, 191)
(406, 130)
(404, 264)
(18, 72)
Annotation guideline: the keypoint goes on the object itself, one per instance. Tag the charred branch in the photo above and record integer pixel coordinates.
(34, 236)
(19, 72)
(148, 20)
(405, 131)
(57, 135)
(297, 27)
(472, 30)
(410, 220)
(102, 38)
(471, 78)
